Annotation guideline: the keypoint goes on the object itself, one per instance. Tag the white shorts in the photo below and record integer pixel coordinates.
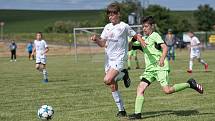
(116, 65)
(195, 53)
(41, 59)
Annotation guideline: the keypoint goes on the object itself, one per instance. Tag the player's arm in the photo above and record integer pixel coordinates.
(46, 50)
(101, 42)
(140, 39)
(33, 51)
(164, 53)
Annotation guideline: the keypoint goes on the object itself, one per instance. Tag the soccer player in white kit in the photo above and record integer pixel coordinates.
(41, 48)
(115, 40)
(195, 52)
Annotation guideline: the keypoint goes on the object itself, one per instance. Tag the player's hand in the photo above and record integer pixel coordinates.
(42, 53)
(94, 38)
(143, 43)
(32, 54)
(161, 62)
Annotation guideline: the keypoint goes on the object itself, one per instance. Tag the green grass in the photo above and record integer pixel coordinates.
(77, 93)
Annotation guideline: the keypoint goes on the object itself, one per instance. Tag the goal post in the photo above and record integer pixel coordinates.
(83, 45)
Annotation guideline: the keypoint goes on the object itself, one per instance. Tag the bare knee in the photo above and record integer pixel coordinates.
(37, 67)
(168, 90)
(107, 80)
(141, 88)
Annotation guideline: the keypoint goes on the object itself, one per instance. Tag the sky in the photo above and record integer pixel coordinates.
(97, 4)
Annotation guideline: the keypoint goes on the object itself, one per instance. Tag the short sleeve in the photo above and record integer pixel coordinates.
(45, 43)
(197, 40)
(104, 33)
(158, 39)
(131, 32)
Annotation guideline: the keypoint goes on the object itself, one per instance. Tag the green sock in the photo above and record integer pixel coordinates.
(181, 86)
(139, 104)
(129, 63)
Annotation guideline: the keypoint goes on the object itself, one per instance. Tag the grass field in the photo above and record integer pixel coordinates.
(77, 93)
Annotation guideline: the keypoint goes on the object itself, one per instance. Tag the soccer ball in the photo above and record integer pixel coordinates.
(45, 112)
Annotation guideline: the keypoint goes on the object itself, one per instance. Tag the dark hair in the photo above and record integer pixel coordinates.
(190, 32)
(113, 8)
(148, 19)
(40, 33)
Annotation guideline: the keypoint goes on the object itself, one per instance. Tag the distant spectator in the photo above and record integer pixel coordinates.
(30, 49)
(13, 48)
(170, 40)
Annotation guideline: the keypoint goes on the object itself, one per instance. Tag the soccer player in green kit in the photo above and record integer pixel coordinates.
(133, 47)
(156, 68)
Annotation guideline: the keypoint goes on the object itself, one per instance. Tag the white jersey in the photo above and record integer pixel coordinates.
(194, 49)
(116, 37)
(194, 42)
(40, 47)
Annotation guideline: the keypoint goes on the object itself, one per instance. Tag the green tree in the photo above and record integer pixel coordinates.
(205, 17)
(161, 16)
(126, 7)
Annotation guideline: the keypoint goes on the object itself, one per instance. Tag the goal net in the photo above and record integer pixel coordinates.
(84, 46)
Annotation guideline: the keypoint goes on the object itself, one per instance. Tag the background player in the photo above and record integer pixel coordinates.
(133, 47)
(29, 48)
(115, 40)
(41, 48)
(195, 52)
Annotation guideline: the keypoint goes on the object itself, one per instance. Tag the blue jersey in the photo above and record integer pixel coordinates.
(30, 47)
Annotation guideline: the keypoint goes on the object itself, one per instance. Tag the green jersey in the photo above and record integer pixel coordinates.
(152, 53)
(136, 43)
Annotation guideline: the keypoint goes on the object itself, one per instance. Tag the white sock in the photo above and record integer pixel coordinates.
(45, 74)
(202, 61)
(118, 100)
(119, 76)
(191, 65)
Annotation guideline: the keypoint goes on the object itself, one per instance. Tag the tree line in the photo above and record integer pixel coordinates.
(203, 18)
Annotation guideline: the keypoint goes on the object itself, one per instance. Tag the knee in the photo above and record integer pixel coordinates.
(113, 87)
(107, 81)
(37, 67)
(140, 90)
(167, 91)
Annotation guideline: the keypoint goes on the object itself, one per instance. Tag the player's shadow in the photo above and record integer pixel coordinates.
(201, 71)
(172, 112)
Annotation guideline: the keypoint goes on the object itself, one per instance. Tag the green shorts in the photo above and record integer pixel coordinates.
(132, 53)
(160, 75)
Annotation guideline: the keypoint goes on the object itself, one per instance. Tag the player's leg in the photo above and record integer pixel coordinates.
(109, 80)
(136, 60)
(11, 57)
(146, 80)
(191, 83)
(163, 78)
(190, 64)
(29, 55)
(14, 55)
(38, 62)
(200, 60)
(169, 53)
(38, 67)
(173, 53)
(129, 59)
(44, 71)
(123, 73)
(43, 67)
